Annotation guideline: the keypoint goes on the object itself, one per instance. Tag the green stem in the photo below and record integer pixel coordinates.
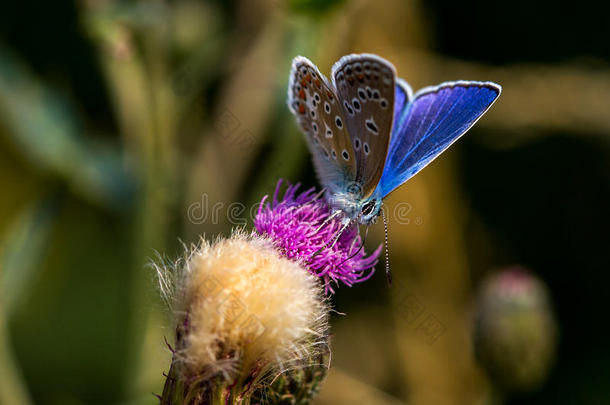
(12, 387)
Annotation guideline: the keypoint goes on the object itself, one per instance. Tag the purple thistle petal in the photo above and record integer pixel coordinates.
(296, 224)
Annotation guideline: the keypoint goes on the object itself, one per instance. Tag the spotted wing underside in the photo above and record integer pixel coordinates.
(365, 85)
(316, 107)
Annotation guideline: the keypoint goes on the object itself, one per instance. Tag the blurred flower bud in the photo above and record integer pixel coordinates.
(250, 324)
(515, 332)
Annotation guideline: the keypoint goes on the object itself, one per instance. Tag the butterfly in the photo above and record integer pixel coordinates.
(368, 133)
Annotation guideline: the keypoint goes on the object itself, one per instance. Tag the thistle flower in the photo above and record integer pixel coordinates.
(515, 331)
(301, 227)
(246, 316)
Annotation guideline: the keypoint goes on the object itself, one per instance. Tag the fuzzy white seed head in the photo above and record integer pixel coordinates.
(244, 304)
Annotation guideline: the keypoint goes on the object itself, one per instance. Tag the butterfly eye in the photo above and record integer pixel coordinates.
(367, 209)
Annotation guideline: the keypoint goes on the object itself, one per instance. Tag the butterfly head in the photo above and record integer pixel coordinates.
(354, 206)
(369, 211)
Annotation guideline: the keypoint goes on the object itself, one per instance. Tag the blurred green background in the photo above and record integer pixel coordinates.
(127, 127)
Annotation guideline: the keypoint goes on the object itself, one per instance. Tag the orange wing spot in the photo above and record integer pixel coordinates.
(302, 94)
(303, 83)
(318, 84)
(329, 95)
(301, 108)
(308, 77)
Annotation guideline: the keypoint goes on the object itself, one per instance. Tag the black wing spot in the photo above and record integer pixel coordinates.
(345, 154)
(315, 127)
(366, 148)
(334, 154)
(357, 143)
(327, 107)
(356, 104)
(368, 92)
(361, 94)
(348, 107)
(383, 103)
(338, 122)
(370, 125)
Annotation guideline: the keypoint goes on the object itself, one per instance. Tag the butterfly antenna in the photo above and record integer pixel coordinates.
(387, 249)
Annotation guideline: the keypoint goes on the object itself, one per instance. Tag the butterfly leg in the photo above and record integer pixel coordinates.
(327, 220)
(345, 223)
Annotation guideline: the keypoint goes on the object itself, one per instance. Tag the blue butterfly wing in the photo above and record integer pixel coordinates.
(426, 126)
(402, 96)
